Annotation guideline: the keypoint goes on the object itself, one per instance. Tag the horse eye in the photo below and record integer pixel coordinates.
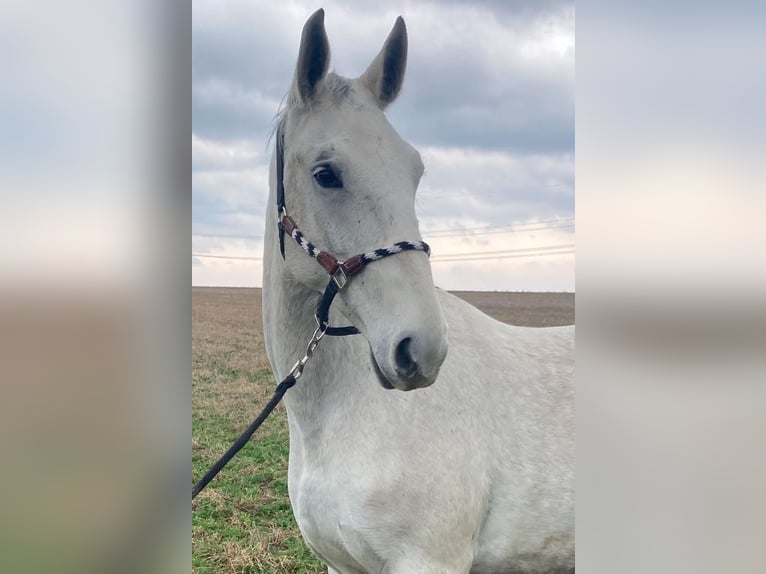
(326, 177)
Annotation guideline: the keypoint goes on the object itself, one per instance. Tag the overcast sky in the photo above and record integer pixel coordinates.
(488, 99)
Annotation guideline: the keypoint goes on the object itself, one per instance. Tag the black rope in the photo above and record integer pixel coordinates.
(323, 313)
(341, 331)
(281, 187)
(245, 436)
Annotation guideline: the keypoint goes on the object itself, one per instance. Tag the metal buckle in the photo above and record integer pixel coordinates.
(339, 277)
(298, 367)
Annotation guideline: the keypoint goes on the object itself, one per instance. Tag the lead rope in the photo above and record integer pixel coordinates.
(340, 273)
(282, 387)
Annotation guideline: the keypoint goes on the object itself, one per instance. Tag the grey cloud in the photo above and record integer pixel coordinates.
(454, 93)
(516, 9)
(552, 130)
(500, 208)
(459, 92)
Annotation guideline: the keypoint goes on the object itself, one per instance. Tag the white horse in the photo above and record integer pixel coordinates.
(472, 474)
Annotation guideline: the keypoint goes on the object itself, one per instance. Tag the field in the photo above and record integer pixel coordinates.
(242, 522)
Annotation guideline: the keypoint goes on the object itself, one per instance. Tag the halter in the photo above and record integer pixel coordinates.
(340, 271)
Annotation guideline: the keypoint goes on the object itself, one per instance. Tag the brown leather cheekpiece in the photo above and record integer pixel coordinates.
(352, 265)
(328, 261)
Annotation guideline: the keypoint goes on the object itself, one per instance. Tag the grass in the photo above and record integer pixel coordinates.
(242, 522)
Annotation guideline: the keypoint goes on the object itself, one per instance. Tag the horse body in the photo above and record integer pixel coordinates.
(472, 474)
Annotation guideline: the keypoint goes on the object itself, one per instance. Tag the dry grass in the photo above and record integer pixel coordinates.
(227, 322)
(530, 309)
(242, 522)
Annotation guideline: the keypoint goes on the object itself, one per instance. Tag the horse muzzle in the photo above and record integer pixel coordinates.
(412, 362)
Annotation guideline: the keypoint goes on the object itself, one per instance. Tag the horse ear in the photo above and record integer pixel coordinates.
(385, 75)
(313, 58)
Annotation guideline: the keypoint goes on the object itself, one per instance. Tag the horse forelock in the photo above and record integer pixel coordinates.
(335, 90)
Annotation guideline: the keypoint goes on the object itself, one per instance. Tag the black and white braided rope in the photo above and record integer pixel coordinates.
(397, 247)
(307, 246)
(368, 257)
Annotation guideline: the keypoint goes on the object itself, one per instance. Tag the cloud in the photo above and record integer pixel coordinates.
(489, 187)
(475, 75)
(226, 109)
(209, 154)
(488, 100)
(474, 80)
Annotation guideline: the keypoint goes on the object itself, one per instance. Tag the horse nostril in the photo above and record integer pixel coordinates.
(405, 364)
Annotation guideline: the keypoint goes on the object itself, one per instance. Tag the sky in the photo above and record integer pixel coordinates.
(488, 100)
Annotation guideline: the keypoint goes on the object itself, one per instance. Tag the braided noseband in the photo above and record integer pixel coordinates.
(340, 271)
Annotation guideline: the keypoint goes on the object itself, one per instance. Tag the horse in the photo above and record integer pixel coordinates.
(439, 440)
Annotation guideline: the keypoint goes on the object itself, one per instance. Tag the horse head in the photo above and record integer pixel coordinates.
(350, 183)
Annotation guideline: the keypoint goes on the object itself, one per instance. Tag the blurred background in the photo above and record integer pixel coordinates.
(96, 181)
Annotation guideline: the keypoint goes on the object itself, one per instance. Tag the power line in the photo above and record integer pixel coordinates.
(234, 257)
(496, 230)
(488, 254)
(489, 227)
(452, 260)
(453, 232)
(479, 195)
(563, 249)
(508, 256)
(228, 236)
